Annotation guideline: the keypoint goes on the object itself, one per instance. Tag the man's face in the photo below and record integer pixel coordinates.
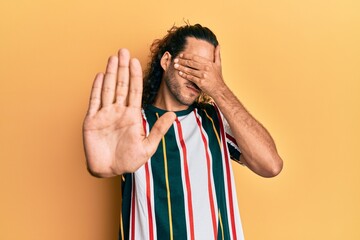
(183, 91)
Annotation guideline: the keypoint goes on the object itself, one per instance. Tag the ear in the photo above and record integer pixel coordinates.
(165, 60)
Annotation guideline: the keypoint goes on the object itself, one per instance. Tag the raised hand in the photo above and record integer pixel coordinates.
(114, 138)
(206, 74)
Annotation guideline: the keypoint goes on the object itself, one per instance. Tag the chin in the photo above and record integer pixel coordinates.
(188, 102)
(185, 99)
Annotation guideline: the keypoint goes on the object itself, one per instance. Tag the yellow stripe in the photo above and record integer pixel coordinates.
(221, 225)
(212, 121)
(167, 184)
(121, 227)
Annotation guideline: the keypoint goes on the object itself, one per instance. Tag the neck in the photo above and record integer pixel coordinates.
(166, 101)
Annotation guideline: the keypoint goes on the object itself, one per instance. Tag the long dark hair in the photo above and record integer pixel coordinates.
(174, 42)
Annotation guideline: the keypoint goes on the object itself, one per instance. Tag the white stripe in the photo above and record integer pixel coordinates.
(183, 182)
(233, 144)
(141, 213)
(141, 207)
(239, 231)
(213, 192)
(198, 178)
(152, 200)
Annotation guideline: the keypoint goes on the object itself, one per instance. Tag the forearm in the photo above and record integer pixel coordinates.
(257, 146)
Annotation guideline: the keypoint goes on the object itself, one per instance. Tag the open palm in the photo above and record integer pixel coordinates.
(114, 138)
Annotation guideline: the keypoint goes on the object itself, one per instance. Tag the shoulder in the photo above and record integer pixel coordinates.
(210, 108)
(209, 111)
(206, 106)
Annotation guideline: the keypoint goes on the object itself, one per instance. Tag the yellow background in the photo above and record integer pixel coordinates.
(294, 64)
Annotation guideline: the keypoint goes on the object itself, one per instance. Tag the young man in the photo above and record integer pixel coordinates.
(182, 188)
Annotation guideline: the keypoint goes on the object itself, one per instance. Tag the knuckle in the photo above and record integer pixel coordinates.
(122, 83)
(135, 91)
(96, 88)
(95, 100)
(107, 89)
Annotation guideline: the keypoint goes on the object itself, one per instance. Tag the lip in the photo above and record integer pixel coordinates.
(193, 87)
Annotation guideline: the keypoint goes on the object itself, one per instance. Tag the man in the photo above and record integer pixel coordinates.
(182, 188)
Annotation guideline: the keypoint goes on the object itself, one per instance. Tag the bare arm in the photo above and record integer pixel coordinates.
(113, 134)
(257, 146)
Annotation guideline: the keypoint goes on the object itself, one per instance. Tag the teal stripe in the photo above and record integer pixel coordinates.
(175, 185)
(126, 187)
(217, 166)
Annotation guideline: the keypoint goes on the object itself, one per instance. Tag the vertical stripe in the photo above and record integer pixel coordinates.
(231, 139)
(121, 227)
(167, 185)
(208, 164)
(121, 212)
(221, 226)
(148, 201)
(228, 177)
(213, 125)
(126, 188)
(148, 196)
(187, 179)
(217, 153)
(133, 209)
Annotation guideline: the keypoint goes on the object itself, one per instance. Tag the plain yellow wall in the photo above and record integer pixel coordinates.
(294, 64)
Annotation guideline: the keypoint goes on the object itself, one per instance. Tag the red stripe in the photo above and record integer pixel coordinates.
(151, 233)
(187, 179)
(133, 210)
(148, 190)
(231, 138)
(210, 190)
(227, 166)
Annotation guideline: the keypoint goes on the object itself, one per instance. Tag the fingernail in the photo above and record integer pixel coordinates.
(176, 60)
(180, 73)
(176, 65)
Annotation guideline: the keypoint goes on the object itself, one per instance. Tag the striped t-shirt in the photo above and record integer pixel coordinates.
(186, 190)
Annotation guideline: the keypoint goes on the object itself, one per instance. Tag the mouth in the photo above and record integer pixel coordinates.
(194, 87)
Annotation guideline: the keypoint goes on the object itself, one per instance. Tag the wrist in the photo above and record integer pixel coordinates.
(220, 93)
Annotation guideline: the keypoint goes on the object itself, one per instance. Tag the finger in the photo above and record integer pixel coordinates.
(193, 57)
(122, 85)
(190, 77)
(136, 83)
(187, 70)
(188, 63)
(159, 129)
(217, 55)
(108, 88)
(95, 96)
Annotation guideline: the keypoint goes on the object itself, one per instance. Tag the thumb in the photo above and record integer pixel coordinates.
(159, 129)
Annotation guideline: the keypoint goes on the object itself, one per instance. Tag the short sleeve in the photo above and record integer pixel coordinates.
(233, 147)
